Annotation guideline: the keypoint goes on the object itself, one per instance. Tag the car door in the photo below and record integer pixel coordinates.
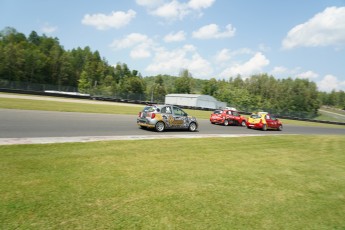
(179, 118)
(167, 116)
(229, 115)
(237, 116)
(271, 121)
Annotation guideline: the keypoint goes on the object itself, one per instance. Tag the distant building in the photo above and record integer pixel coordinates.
(194, 100)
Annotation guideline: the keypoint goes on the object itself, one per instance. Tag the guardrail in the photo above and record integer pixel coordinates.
(42, 93)
(147, 102)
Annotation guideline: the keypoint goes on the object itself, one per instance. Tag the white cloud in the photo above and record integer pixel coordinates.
(140, 51)
(172, 61)
(253, 66)
(48, 29)
(149, 3)
(199, 4)
(225, 54)
(130, 41)
(175, 37)
(329, 83)
(279, 70)
(308, 75)
(174, 10)
(171, 10)
(212, 31)
(324, 29)
(264, 48)
(140, 44)
(114, 20)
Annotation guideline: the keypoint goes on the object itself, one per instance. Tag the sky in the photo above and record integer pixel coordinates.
(211, 38)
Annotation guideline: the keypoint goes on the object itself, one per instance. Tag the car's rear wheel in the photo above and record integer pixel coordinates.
(192, 127)
(264, 127)
(160, 126)
(280, 128)
(226, 122)
(243, 123)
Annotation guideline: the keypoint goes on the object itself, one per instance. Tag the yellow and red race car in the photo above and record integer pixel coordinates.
(263, 121)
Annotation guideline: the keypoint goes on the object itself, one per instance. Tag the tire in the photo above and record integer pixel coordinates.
(280, 128)
(160, 126)
(264, 127)
(243, 123)
(226, 122)
(192, 127)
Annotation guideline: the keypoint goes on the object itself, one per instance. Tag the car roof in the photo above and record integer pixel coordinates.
(260, 113)
(159, 105)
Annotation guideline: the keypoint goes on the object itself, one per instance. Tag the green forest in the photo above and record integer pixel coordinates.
(41, 60)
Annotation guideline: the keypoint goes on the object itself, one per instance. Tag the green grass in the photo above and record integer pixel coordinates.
(331, 114)
(271, 182)
(18, 103)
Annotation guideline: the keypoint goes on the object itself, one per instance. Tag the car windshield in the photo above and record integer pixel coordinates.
(235, 113)
(255, 116)
(149, 109)
(217, 112)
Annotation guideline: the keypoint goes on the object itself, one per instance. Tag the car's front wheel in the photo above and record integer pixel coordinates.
(226, 122)
(243, 123)
(160, 126)
(192, 127)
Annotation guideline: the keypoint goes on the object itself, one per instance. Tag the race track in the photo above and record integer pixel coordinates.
(24, 124)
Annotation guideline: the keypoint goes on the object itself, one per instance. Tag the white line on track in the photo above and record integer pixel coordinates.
(50, 140)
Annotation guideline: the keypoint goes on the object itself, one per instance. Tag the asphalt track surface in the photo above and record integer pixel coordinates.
(28, 126)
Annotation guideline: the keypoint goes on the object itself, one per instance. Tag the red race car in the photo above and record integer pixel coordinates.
(227, 117)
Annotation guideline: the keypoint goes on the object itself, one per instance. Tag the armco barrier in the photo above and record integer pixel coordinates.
(147, 102)
(41, 93)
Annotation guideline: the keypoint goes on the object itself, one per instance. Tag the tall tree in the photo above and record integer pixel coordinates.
(184, 83)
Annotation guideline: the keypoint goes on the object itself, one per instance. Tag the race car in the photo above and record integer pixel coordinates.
(263, 121)
(161, 117)
(227, 117)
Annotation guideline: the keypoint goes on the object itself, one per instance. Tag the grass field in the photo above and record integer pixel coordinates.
(272, 182)
(331, 114)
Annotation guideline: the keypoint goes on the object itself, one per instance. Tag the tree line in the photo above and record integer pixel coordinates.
(42, 59)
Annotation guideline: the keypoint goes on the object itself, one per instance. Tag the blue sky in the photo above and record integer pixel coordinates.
(210, 38)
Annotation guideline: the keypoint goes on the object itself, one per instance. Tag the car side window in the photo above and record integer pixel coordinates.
(235, 114)
(166, 109)
(178, 111)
